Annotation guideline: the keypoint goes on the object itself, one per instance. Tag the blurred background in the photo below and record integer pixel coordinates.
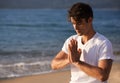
(33, 31)
(23, 4)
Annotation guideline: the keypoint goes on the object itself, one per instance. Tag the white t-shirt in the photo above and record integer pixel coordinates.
(97, 48)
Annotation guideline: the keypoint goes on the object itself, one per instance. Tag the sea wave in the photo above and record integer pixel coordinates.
(45, 24)
(23, 69)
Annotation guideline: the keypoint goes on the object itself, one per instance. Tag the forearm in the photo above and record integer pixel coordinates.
(93, 71)
(58, 64)
(60, 61)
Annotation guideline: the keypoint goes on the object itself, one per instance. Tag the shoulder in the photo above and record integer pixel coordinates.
(103, 43)
(102, 39)
(105, 48)
(67, 41)
(73, 37)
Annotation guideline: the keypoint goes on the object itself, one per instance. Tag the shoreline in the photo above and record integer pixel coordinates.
(52, 77)
(60, 77)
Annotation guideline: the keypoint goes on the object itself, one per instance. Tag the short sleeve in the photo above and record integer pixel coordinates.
(65, 46)
(106, 51)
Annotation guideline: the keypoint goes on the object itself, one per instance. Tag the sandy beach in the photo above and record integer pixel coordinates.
(60, 77)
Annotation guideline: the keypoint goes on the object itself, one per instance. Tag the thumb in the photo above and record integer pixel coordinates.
(79, 51)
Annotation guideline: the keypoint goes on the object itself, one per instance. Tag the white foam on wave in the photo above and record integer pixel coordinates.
(23, 69)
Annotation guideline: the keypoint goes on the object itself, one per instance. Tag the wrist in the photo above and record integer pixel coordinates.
(77, 63)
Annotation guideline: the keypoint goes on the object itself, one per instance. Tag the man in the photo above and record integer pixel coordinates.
(89, 53)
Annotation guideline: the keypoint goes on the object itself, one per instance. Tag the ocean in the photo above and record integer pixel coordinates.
(30, 38)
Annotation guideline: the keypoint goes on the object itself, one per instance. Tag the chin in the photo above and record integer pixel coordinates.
(79, 34)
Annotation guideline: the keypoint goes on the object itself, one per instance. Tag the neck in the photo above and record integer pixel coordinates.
(88, 36)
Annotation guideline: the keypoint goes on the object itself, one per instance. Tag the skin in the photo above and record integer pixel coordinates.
(84, 29)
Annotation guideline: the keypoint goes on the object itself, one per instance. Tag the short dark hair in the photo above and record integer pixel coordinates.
(79, 11)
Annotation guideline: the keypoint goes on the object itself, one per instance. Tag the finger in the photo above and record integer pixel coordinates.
(69, 55)
(69, 46)
(70, 49)
(73, 41)
(70, 59)
(79, 51)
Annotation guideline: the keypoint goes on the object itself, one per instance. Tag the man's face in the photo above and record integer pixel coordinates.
(81, 28)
